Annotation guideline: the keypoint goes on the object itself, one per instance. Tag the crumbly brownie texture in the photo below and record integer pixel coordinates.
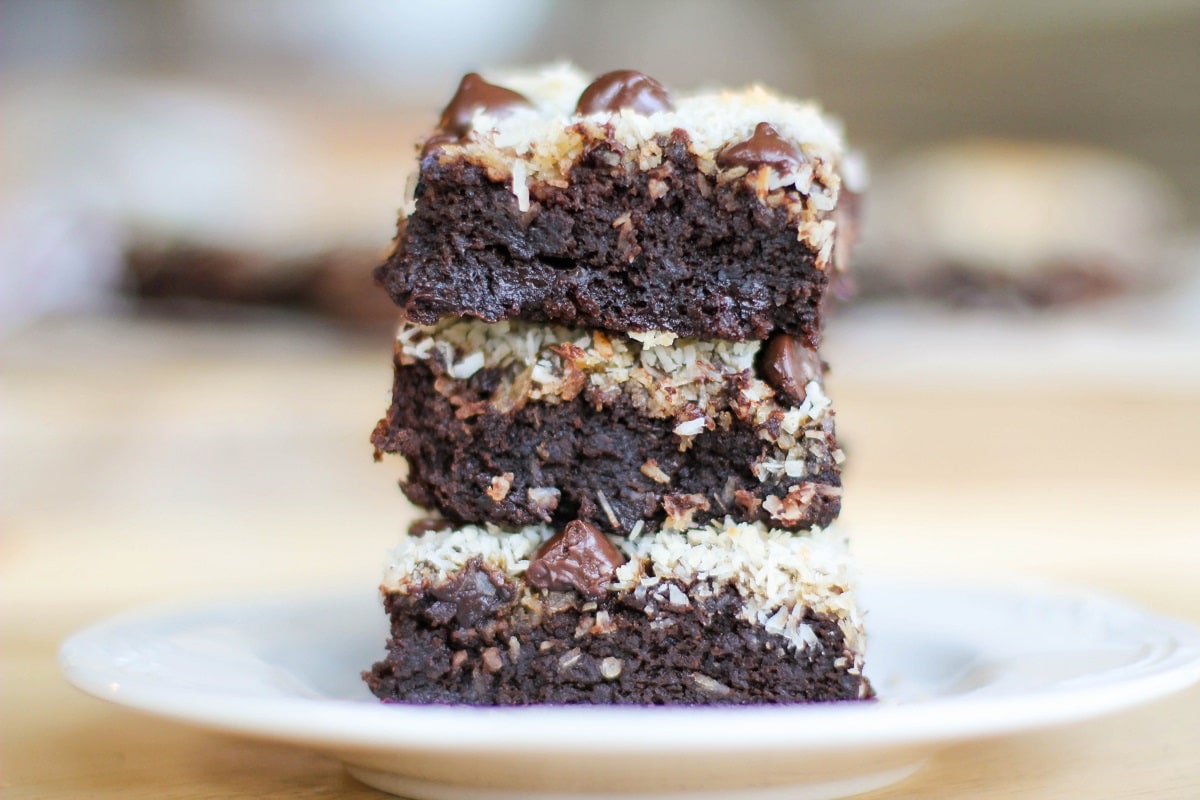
(711, 216)
(724, 613)
(517, 423)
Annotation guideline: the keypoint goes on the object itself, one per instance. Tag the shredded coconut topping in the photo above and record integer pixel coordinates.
(436, 555)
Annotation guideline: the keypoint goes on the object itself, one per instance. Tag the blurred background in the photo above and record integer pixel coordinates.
(192, 354)
(195, 192)
(1025, 154)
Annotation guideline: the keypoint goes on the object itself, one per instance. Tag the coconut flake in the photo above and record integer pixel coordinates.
(654, 338)
(471, 363)
(519, 187)
(690, 427)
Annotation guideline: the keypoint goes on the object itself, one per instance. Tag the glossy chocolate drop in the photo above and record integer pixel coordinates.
(624, 88)
(473, 595)
(579, 558)
(767, 147)
(788, 366)
(474, 94)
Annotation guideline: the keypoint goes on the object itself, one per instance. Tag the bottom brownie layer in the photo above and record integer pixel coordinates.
(476, 632)
(700, 655)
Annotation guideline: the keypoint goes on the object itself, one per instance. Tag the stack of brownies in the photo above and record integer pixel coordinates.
(609, 395)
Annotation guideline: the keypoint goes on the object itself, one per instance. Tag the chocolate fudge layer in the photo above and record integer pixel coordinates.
(723, 613)
(516, 423)
(614, 205)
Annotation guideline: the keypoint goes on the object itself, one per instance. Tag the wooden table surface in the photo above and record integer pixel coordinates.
(145, 461)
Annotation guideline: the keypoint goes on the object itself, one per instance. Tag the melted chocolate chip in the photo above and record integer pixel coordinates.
(474, 94)
(579, 558)
(767, 147)
(788, 366)
(624, 88)
(471, 596)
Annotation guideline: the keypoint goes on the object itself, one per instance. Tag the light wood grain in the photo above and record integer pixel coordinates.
(147, 461)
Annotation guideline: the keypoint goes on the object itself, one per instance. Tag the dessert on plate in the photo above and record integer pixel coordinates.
(609, 393)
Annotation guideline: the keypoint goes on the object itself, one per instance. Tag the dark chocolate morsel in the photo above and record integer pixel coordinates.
(473, 595)
(474, 94)
(767, 147)
(624, 88)
(788, 366)
(578, 557)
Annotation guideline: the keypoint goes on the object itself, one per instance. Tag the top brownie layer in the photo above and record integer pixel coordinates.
(614, 205)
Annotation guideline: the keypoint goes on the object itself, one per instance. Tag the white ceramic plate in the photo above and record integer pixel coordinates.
(950, 663)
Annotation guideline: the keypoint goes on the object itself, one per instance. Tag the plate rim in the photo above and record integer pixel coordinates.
(827, 727)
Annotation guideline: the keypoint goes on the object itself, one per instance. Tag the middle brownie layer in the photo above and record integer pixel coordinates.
(599, 446)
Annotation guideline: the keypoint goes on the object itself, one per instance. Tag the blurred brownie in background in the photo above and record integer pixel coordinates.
(336, 284)
(995, 223)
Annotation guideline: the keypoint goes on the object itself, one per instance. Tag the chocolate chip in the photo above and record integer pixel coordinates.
(624, 88)
(788, 366)
(472, 596)
(765, 147)
(474, 94)
(579, 558)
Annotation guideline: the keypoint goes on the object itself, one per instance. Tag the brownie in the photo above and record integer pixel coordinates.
(711, 216)
(707, 655)
(1015, 225)
(336, 283)
(604, 460)
(707, 262)
(578, 621)
(1052, 285)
